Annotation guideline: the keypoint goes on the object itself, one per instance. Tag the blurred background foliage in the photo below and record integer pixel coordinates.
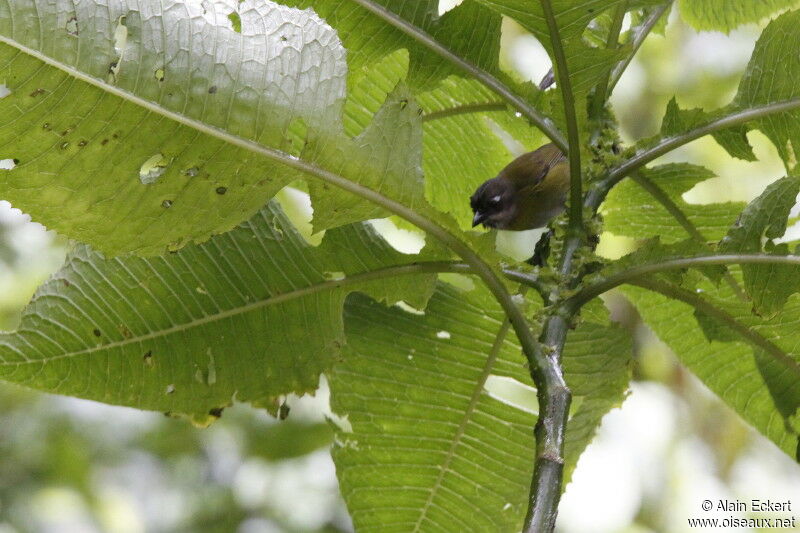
(71, 465)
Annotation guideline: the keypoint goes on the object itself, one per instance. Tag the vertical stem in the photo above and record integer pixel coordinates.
(573, 139)
(612, 42)
(555, 397)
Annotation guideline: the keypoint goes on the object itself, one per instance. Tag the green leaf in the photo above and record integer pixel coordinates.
(762, 220)
(758, 375)
(86, 150)
(252, 314)
(631, 211)
(725, 15)
(771, 76)
(435, 443)
(733, 139)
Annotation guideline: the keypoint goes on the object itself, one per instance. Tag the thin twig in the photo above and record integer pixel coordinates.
(637, 272)
(598, 193)
(540, 120)
(639, 35)
(574, 152)
(612, 42)
(548, 80)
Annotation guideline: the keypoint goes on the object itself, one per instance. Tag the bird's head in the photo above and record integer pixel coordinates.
(493, 204)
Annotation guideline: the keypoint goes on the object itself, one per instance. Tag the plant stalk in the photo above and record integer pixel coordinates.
(612, 43)
(598, 193)
(639, 271)
(555, 398)
(639, 35)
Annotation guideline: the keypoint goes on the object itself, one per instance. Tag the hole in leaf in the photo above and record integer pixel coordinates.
(72, 26)
(296, 205)
(528, 57)
(166, 204)
(403, 240)
(8, 164)
(170, 389)
(191, 172)
(443, 334)
(120, 35)
(511, 392)
(236, 21)
(4, 90)
(409, 309)
(447, 5)
(152, 169)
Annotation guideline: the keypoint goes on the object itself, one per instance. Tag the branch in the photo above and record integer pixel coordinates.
(554, 400)
(595, 197)
(574, 152)
(708, 308)
(612, 42)
(464, 109)
(541, 121)
(548, 80)
(660, 196)
(631, 275)
(639, 33)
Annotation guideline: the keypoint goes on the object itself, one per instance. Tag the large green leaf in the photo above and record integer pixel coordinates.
(632, 211)
(97, 165)
(434, 445)
(771, 76)
(252, 314)
(757, 372)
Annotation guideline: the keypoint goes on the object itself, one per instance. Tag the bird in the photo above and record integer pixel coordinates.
(528, 193)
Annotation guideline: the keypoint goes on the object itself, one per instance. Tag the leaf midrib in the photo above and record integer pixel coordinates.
(414, 268)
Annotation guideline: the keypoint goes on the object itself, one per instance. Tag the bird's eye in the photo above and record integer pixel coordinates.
(495, 199)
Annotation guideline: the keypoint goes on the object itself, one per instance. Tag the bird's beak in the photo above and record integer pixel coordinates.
(478, 218)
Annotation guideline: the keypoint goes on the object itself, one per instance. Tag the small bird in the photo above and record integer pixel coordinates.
(526, 194)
